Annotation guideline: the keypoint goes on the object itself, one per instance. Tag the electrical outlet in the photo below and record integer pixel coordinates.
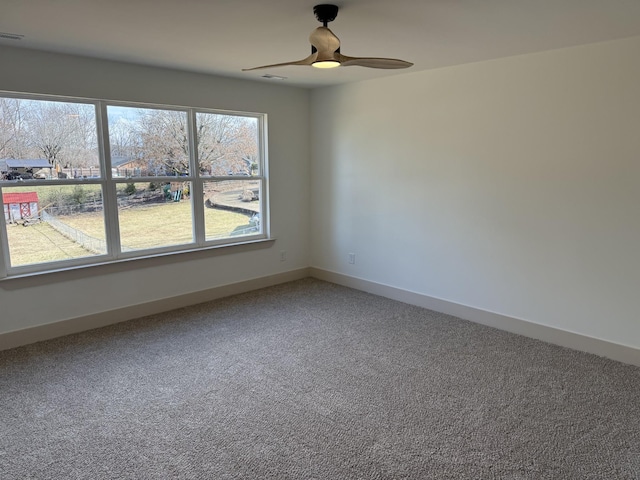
(352, 258)
(283, 255)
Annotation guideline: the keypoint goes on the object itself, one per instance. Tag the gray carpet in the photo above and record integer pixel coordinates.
(310, 380)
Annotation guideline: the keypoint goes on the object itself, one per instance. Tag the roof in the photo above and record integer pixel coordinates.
(23, 197)
(27, 163)
(117, 161)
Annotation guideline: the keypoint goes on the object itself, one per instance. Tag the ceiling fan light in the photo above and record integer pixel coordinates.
(326, 64)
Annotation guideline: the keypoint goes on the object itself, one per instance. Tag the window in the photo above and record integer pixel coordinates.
(87, 182)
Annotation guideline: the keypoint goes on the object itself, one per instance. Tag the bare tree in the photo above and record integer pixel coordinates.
(82, 143)
(13, 143)
(50, 129)
(63, 133)
(122, 139)
(162, 145)
(226, 143)
(158, 140)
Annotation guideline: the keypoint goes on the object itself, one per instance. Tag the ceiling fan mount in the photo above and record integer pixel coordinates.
(325, 13)
(325, 48)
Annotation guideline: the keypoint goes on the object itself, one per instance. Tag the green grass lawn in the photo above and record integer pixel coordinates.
(149, 226)
(41, 243)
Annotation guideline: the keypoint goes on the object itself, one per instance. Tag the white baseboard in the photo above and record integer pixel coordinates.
(614, 351)
(576, 341)
(58, 329)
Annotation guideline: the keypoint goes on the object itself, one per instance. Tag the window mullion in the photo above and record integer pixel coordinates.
(197, 195)
(263, 165)
(4, 246)
(110, 203)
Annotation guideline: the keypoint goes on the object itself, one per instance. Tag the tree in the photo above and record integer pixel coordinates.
(13, 142)
(49, 128)
(63, 133)
(162, 144)
(81, 149)
(159, 141)
(226, 143)
(121, 139)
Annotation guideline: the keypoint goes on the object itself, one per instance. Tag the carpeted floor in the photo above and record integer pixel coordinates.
(310, 380)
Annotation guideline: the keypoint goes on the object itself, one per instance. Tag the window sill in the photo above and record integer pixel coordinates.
(18, 281)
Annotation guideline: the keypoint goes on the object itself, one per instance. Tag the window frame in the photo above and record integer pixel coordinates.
(108, 183)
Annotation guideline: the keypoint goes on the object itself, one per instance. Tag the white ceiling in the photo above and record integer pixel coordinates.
(224, 36)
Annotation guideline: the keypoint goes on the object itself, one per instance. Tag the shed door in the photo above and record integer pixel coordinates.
(25, 211)
(14, 211)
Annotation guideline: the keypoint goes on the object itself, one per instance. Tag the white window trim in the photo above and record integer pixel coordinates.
(108, 183)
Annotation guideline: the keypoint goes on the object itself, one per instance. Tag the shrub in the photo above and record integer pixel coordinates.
(78, 195)
(247, 196)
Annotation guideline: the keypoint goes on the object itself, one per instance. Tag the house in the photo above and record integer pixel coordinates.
(19, 206)
(502, 188)
(23, 168)
(127, 166)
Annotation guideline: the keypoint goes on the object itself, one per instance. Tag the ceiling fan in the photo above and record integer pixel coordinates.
(325, 48)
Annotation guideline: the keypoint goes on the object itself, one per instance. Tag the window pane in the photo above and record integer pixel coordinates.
(153, 215)
(147, 142)
(52, 223)
(47, 140)
(232, 208)
(227, 144)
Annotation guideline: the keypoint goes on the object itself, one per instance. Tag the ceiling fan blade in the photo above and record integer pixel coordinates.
(305, 61)
(325, 51)
(371, 62)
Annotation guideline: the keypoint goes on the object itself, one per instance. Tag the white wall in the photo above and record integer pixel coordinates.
(24, 304)
(511, 186)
